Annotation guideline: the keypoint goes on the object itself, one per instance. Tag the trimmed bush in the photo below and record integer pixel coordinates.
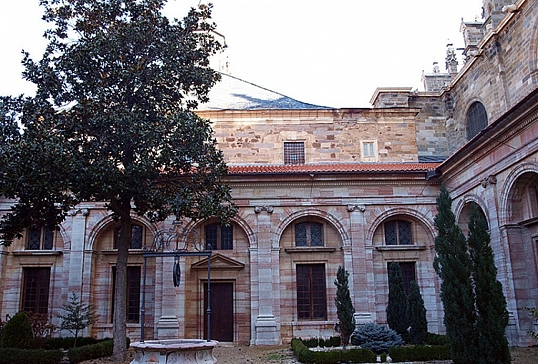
(436, 339)
(313, 342)
(68, 342)
(305, 355)
(375, 337)
(26, 356)
(17, 333)
(420, 353)
(94, 351)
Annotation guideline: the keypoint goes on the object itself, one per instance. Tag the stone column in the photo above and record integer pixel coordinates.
(266, 326)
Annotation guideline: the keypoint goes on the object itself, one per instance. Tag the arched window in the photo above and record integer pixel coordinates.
(477, 119)
(398, 232)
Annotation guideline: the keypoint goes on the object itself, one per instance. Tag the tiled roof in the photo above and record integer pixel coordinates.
(331, 168)
(233, 93)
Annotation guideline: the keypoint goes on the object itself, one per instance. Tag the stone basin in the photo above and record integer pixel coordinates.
(174, 351)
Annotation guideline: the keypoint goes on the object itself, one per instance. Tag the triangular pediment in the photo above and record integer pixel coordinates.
(219, 262)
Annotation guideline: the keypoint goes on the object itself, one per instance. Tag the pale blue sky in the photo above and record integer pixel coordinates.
(326, 52)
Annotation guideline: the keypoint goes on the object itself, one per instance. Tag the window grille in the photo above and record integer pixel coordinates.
(309, 234)
(40, 238)
(398, 232)
(294, 153)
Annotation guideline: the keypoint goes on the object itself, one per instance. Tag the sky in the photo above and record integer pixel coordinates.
(325, 52)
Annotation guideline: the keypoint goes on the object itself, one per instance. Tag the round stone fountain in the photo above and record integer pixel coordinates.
(174, 351)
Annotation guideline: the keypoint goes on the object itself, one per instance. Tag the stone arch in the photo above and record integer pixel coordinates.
(106, 221)
(335, 222)
(462, 215)
(428, 223)
(512, 191)
(239, 221)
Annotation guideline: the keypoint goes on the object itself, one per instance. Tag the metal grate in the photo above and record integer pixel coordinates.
(294, 153)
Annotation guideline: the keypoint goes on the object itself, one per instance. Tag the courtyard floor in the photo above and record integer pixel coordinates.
(231, 354)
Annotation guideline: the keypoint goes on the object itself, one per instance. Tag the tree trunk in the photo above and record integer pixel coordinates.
(120, 300)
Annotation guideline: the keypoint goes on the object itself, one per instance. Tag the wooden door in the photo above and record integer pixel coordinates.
(222, 315)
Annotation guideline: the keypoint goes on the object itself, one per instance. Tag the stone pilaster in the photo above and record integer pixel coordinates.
(168, 325)
(265, 326)
(361, 263)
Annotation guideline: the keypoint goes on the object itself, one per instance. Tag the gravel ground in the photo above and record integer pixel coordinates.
(230, 354)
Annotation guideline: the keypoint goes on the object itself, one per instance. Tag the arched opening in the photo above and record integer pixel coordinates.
(476, 120)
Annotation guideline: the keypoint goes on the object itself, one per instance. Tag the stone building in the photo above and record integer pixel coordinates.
(319, 188)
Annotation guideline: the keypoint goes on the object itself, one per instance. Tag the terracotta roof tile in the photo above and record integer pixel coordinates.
(330, 168)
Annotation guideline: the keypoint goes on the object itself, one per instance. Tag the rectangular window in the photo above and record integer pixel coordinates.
(137, 236)
(40, 238)
(311, 292)
(368, 150)
(408, 273)
(398, 232)
(219, 237)
(35, 290)
(133, 293)
(309, 234)
(294, 153)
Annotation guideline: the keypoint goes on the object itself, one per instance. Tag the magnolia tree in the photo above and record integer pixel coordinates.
(112, 120)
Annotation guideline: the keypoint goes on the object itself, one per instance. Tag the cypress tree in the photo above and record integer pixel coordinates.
(344, 306)
(492, 315)
(416, 313)
(452, 264)
(397, 306)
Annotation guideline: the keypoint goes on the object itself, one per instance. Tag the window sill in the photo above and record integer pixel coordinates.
(310, 249)
(37, 252)
(115, 251)
(400, 247)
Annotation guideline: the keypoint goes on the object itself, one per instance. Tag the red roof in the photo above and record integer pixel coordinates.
(330, 168)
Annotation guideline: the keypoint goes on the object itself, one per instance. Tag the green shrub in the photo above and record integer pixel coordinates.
(420, 353)
(17, 333)
(305, 355)
(26, 356)
(375, 337)
(68, 342)
(321, 342)
(436, 339)
(311, 343)
(94, 351)
(333, 341)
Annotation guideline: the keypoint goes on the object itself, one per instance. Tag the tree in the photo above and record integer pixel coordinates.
(452, 264)
(344, 306)
(397, 305)
(78, 316)
(492, 315)
(112, 120)
(416, 314)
